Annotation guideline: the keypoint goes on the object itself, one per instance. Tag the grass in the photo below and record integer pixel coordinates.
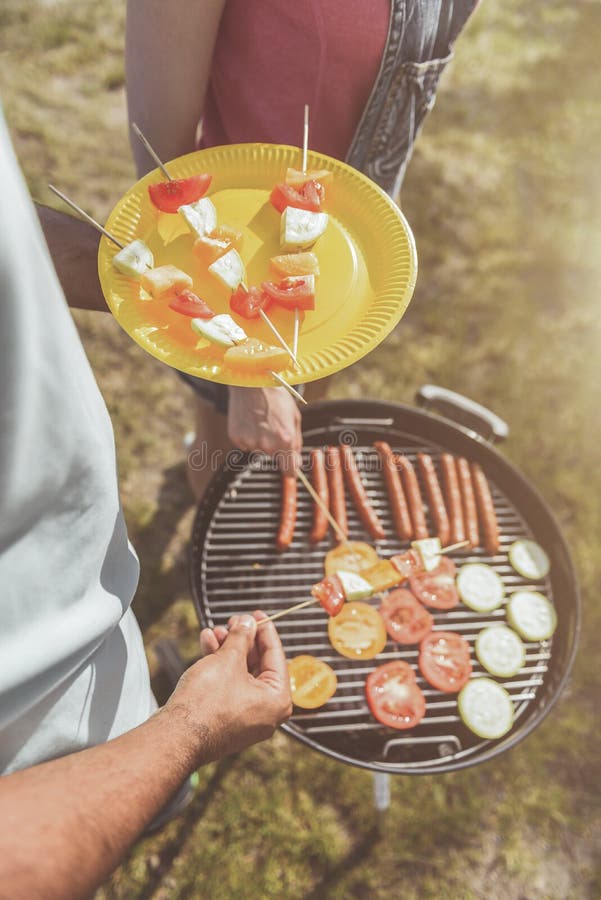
(504, 195)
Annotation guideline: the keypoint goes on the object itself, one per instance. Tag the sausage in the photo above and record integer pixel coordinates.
(486, 509)
(288, 512)
(468, 501)
(320, 483)
(413, 496)
(366, 512)
(396, 494)
(336, 489)
(437, 508)
(450, 484)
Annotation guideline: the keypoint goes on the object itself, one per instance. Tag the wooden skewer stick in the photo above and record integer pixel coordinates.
(304, 167)
(305, 138)
(288, 387)
(284, 612)
(85, 216)
(282, 381)
(457, 546)
(322, 506)
(148, 147)
(279, 337)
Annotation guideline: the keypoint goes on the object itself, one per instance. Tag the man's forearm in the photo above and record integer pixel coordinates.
(73, 245)
(66, 824)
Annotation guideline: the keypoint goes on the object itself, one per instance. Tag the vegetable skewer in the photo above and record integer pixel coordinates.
(282, 381)
(284, 612)
(262, 313)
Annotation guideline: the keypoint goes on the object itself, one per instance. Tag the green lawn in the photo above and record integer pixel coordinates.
(504, 195)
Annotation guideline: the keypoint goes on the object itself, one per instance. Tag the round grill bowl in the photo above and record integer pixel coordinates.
(235, 567)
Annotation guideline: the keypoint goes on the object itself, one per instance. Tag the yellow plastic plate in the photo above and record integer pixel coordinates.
(367, 261)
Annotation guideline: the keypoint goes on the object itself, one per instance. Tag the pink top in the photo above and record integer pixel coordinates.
(326, 53)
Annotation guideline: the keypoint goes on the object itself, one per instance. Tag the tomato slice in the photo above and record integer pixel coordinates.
(436, 588)
(394, 697)
(330, 593)
(406, 620)
(357, 632)
(308, 196)
(314, 192)
(352, 556)
(188, 304)
(312, 681)
(168, 196)
(305, 263)
(408, 563)
(292, 292)
(444, 660)
(248, 302)
(382, 576)
(253, 356)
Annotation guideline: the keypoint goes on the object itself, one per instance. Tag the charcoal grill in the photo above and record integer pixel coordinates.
(235, 567)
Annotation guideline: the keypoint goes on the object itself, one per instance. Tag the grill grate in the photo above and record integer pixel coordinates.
(236, 568)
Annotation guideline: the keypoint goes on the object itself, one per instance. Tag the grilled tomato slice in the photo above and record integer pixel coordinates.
(406, 620)
(393, 696)
(352, 556)
(444, 661)
(436, 588)
(312, 681)
(330, 593)
(357, 632)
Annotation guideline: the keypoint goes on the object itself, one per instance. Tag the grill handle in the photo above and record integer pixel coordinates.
(464, 411)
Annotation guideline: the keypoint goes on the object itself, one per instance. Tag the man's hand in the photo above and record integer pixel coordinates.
(266, 419)
(240, 692)
(68, 822)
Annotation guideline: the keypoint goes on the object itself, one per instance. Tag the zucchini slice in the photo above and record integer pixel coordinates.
(486, 708)
(529, 560)
(532, 616)
(480, 587)
(500, 651)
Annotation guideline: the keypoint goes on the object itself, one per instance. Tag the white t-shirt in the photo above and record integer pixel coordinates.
(72, 666)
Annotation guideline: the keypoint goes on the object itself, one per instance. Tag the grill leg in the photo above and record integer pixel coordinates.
(381, 791)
